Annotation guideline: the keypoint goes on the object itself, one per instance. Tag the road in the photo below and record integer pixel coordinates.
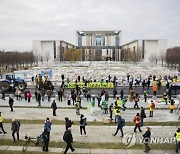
(138, 89)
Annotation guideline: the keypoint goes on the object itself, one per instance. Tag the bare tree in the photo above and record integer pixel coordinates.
(162, 57)
(47, 56)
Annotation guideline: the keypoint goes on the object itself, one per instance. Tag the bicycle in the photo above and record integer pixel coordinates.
(36, 141)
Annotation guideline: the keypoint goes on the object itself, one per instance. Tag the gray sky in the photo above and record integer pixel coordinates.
(22, 21)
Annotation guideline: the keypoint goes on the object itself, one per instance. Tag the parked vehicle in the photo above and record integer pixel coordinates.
(11, 81)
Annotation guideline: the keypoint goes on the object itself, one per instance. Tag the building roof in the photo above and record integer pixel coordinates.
(98, 32)
(141, 39)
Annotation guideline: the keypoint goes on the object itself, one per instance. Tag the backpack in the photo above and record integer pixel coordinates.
(153, 105)
(144, 115)
(65, 137)
(84, 121)
(122, 122)
(18, 124)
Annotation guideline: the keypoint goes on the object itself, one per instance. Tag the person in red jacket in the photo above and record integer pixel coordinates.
(137, 120)
(29, 96)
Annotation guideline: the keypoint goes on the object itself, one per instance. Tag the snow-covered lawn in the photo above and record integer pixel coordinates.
(101, 70)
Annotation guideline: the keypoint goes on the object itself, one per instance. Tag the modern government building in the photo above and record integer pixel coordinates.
(101, 46)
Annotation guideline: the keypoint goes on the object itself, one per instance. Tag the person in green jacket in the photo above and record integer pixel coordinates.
(93, 102)
(124, 100)
(105, 106)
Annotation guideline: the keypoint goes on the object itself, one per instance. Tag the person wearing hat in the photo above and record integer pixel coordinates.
(68, 138)
(82, 123)
(177, 136)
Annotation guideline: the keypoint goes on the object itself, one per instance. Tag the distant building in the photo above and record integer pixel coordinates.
(99, 45)
(50, 50)
(143, 50)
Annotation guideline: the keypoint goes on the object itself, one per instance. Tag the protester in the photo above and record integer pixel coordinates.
(1, 124)
(146, 139)
(15, 126)
(105, 106)
(155, 88)
(79, 100)
(165, 97)
(177, 136)
(137, 120)
(88, 95)
(17, 94)
(11, 102)
(122, 94)
(82, 123)
(151, 108)
(93, 102)
(47, 126)
(43, 94)
(116, 113)
(145, 95)
(77, 106)
(121, 124)
(136, 100)
(73, 96)
(69, 98)
(99, 101)
(172, 102)
(68, 138)
(39, 98)
(114, 92)
(60, 94)
(118, 102)
(131, 95)
(46, 139)
(49, 94)
(124, 100)
(111, 111)
(29, 96)
(68, 123)
(3, 94)
(25, 95)
(142, 115)
(54, 107)
(36, 94)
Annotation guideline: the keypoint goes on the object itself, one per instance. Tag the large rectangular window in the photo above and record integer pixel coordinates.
(98, 40)
(54, 49)
(80, 41)
(116, 41)
(143, 47)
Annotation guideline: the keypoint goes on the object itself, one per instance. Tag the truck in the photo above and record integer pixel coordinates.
(10, 82)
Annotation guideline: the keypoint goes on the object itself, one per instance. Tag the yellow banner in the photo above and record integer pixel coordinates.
(90, 85)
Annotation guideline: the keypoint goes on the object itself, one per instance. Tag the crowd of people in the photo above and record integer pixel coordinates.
(114, 109)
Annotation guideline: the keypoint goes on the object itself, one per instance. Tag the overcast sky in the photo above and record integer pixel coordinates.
(22, 21)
